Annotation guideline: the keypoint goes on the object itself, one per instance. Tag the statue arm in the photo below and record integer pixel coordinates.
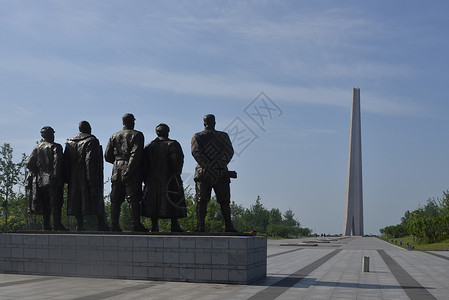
(109, 152)
(176, 157)
(31, 163)
(100, 171)
(58, 168)
(229, 149)
(197, 152)
(92, 160)
(136, 156)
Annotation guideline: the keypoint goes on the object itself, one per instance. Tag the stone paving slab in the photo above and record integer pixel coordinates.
(294, 272)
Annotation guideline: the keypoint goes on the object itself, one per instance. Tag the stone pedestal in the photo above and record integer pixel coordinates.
(218, 259)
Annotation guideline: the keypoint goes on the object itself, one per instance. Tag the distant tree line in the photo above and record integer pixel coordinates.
(256, 218)
(14, 213)
(428, 223)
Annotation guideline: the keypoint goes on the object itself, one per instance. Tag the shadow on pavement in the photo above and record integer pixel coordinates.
(302, 282)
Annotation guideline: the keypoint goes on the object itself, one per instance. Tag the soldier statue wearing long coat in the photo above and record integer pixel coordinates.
(163, 192)
(125, 152)
(45, 180)
(83, 160)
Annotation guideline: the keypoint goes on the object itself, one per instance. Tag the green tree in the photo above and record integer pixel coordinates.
(10, 175)
(394, 231)
(18, 213)
(237, 211)
(305, 231)
(214, 221)
(275, 216)
(107, 210)
(126, 218)
(278, 230)
(260, 217)
(426, 224)
(290, 220)
(444, 204)
(238, 215)
(432, 208)
(406, 218)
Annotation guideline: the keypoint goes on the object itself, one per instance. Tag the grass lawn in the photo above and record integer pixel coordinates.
(443, 245)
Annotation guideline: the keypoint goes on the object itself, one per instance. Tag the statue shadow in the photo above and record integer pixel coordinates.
(292, 281)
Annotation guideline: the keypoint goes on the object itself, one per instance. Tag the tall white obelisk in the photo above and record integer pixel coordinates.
(353, 222)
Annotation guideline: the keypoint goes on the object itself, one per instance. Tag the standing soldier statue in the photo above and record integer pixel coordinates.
(45, 181)
(125, 151)
(212, 151)
(163, 192)
(83, 161)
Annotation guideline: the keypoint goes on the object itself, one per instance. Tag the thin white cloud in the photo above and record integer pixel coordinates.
(365, 70)
(319, 26)
(226, 87)
(310, 79)
(316, 131)
(203, 85)
(68, 18)
(11, 113)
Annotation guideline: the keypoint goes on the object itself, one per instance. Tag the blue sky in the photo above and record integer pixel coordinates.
(175, 61)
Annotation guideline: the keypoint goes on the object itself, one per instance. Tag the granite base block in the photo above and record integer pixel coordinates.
(215, 259)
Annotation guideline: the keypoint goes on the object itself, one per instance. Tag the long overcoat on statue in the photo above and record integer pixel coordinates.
(163, 192)
(83, 160)
(45, 165)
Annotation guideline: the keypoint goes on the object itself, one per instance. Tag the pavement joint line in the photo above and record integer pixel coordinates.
(413, 289)
(437, 255)
(17, 282)
(285, 252)
(280, 287)
(118, 292)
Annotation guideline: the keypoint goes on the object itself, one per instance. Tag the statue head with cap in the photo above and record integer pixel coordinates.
(48, 134)
(209, 121)
(162, 130)
(128, 121)
(84, 127)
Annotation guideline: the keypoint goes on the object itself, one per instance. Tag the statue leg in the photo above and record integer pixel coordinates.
(46, 221)
(102, 226)
(226, 212)
(201, 211)
(223, 193)
(57, 199)
(134, 193)
(203, 193)
(80, 223)
(117, 196)
(115, 217)
(137, 225)
(154, 224)
(46, 209)
(175, 227)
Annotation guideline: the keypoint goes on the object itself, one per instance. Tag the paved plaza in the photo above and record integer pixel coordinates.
(296, 270)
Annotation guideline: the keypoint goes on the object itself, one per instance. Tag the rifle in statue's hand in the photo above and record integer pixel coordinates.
(230, 174)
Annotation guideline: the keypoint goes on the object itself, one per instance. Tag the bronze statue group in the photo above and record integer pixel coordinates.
(156, 167)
